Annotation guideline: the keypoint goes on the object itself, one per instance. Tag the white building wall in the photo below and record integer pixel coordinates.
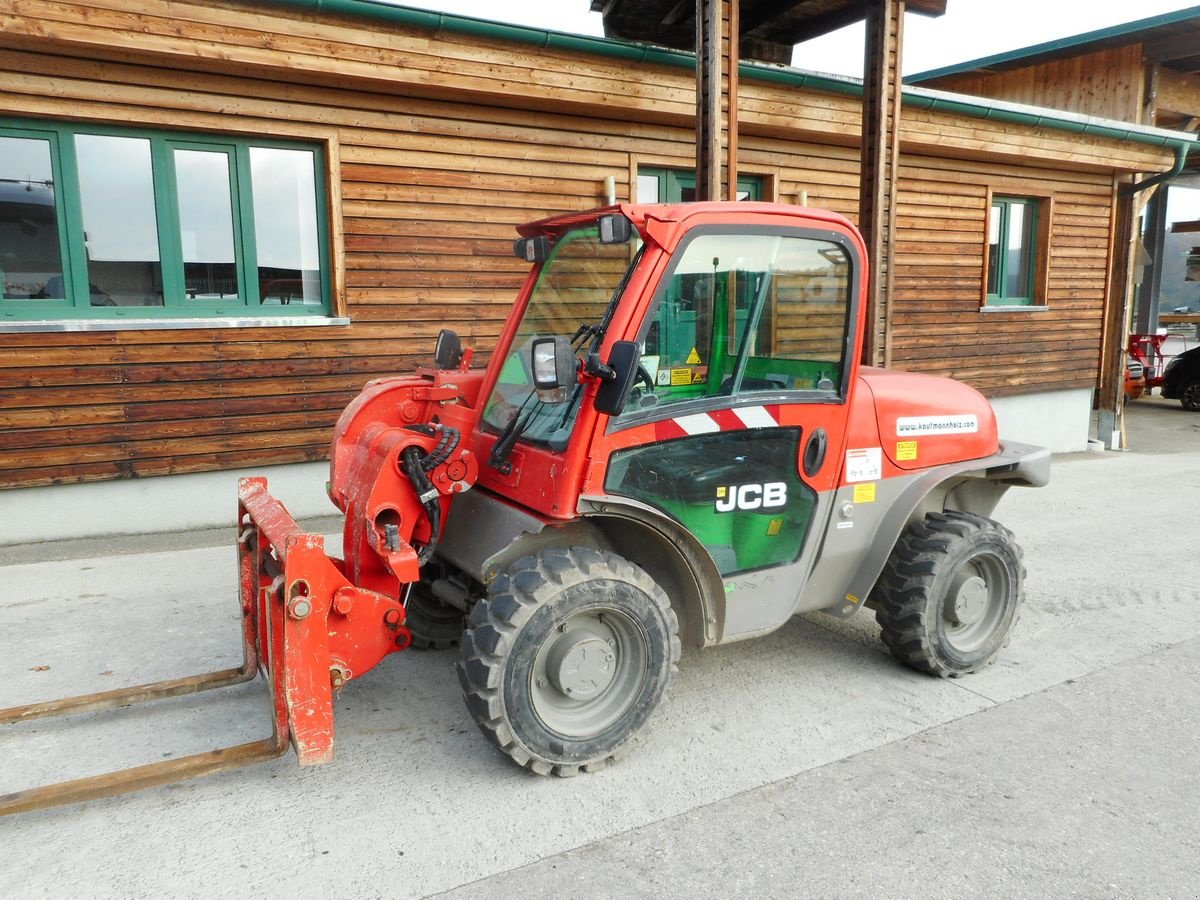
(1060, 420)
(144, 505)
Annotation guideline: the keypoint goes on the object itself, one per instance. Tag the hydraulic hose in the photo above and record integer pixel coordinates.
(417, 466)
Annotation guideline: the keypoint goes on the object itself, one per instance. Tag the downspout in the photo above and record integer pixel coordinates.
(1181, 155)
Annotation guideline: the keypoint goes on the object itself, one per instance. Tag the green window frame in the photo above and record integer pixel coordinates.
(672, 185)
(1013, 232)
(257, 282)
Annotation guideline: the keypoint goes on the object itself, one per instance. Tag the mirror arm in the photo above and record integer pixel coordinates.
(597, 369)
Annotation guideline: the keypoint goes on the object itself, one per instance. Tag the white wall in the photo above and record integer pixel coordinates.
(143, 505)
(1060, 420)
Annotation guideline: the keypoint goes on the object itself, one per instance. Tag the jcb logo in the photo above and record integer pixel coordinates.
(751, 496)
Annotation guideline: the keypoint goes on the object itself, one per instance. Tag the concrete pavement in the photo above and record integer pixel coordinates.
(805, 762)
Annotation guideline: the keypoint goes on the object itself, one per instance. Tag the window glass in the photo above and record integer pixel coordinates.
(647, 189)
(679, 186)
(99, 222)
(1020, 222)
(285, 226)
(120, 222)
(1011, 250)
(994, 222)
(206, 235)
(30, 253)
(749, 313)
(573, 292)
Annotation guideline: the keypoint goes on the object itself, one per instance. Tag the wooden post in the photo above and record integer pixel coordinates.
(716, 99)
(1110, 403)
(880, 152)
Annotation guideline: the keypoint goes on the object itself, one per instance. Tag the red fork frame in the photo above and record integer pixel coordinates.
(286, 587)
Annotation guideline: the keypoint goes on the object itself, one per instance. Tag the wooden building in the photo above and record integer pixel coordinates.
(234, 213)
(1145, 72)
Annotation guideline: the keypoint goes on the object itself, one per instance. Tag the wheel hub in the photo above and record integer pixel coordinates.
(581, 664)
(968, 602)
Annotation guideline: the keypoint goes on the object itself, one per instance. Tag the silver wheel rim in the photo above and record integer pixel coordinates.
(1191, 396)
(589, 672)
(975, 605)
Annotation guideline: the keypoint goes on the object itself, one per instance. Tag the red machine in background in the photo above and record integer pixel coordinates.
(1146, 351)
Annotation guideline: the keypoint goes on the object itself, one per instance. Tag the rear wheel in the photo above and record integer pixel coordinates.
(434, 625)
(565, 660)
(1189, 397)
(950, 594)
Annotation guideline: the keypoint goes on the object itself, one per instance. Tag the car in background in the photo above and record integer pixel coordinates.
(1181, 379)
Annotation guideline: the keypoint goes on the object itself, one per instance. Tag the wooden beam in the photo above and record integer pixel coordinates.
(716, 99)
(819, 25)
(1117, 307)
(765, 13)
(1177, 92)
(880, 152)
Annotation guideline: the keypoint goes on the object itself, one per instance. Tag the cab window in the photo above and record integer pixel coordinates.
(748, 314)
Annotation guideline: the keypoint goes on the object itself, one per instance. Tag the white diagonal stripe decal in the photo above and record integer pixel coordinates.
(756, 417)
(697, 424)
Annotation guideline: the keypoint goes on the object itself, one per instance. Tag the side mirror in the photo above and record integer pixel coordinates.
(623, 362)
(534, 249)
(554, 367)
(615, 229)
(447, 352)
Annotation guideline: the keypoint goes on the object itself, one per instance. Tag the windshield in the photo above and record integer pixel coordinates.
(571, 297)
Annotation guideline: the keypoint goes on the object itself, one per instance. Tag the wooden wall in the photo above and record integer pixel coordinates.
(1107, 83)
(438, 146)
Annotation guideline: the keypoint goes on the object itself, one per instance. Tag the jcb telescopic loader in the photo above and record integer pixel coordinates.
(674, 444)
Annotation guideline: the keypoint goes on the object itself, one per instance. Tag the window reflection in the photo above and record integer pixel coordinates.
(206, 224)
(30, 255)
(285, 226)
(1019, 241)
(116, 186)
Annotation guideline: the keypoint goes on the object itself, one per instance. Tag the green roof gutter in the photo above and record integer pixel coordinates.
(915, 98)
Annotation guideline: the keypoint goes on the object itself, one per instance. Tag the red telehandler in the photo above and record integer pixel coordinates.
(673, 444)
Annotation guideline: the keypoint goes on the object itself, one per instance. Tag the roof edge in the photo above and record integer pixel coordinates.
(920, 98)
(1035, 50)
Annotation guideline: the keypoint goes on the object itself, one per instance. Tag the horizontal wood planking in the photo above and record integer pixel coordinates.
(1106, 83)
(938, 325)
(439, 159)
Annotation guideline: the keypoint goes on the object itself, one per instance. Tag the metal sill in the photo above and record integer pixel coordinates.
(12, 327)
(1013, 308)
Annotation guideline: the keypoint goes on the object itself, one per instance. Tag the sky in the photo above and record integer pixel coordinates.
(969, 29)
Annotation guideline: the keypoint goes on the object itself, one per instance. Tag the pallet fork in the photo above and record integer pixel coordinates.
(289, 593)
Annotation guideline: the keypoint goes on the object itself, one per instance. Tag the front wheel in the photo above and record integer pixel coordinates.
(565, 660)
(950, 594)
(1189, 397)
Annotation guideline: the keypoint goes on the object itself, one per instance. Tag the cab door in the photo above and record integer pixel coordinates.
(749, 348)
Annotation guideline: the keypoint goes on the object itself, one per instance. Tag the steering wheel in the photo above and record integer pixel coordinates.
(643, 398)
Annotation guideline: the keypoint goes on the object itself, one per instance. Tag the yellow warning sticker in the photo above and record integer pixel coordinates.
(864, 493)
(852, 599)
(906, 450)
(774, 527)
(681, 376)
(721, 492)
(693, 358)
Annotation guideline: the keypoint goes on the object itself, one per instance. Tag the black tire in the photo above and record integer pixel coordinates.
(564, 661)
(1189, 396)
(950, 594)
(434, 625)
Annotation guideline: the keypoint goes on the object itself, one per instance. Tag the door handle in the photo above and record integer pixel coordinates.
(814, 452)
